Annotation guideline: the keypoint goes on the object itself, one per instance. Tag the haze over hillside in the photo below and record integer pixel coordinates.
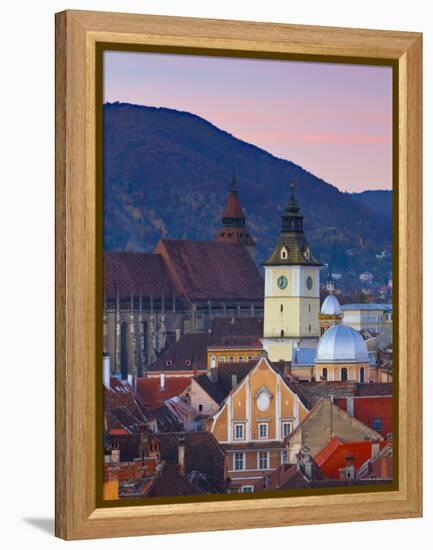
(172, 170)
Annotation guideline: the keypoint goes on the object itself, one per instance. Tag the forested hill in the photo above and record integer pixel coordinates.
(172, 170)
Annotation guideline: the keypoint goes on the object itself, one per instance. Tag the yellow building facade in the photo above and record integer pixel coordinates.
(218, 355)
(252, 423)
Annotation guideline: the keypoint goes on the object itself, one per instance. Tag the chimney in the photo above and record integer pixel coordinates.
(131, 380)
(106, 370)
(115, 453)
(181, 454)
(162, 381)
(213, 373)
(349, 405)
(177, 334)
(375, 448)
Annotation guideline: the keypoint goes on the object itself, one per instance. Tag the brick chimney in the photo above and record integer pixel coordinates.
(181, 454)
(115, 452)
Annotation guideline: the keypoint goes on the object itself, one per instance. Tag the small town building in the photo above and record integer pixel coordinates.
(375, 411)
(324, 422)
(252, 423)
(369, 317)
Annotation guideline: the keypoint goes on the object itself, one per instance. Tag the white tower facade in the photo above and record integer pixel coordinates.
(292, 290)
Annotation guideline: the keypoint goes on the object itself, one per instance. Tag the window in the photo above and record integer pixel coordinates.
(263, 431)
(239, 431)
(377, 424)
(250, 357)
(281, 308)
(284, 456)
(283, 253)
(168, 363)
(325, 373)
(231, 359)
(362, 375)
(309, 308)
(222, 359)
(309, 328)
(234, 380)
(282, 334)
(263, 460)
(200, 408)
(239, 461)
(343, 374)
(241, 358)
(247, 489)
(188, 362)
(287, 428)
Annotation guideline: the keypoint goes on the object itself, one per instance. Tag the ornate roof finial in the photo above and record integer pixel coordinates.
(234, 183)
(292, 187)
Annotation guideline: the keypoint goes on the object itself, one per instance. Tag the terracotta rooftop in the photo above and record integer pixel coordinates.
(333, 457)
(212, 271)
(137, 273)
(312, 392)
(150, 395)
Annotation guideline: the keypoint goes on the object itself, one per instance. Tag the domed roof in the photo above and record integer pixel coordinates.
(330, 306)
(342, 344)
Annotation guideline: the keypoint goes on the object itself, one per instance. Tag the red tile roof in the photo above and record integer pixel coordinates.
(128, 272)
(368, 409)
(149, 393)
(210, 270)
(233, 208)
(333, 457)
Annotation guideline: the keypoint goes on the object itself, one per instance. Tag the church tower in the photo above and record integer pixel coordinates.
(234, 230)
(292, 289)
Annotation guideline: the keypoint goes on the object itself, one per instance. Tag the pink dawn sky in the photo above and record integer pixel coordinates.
(334, 120)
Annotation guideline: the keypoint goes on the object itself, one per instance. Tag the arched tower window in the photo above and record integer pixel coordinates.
(124, 350)
(283, 253)
(325, 373)
(282, 334)
(362, 375)
(343, 374)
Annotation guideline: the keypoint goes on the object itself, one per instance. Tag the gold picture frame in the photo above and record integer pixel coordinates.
(79, 35)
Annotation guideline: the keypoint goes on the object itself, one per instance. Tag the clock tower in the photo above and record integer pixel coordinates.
(292, 289)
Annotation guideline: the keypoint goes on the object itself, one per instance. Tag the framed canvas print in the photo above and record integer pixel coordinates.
(238, 274)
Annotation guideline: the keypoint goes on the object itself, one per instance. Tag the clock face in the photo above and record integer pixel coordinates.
(309, 283)
(282, 282)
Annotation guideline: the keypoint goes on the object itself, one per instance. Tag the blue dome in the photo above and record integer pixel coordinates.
(330, 306)
(342, 344)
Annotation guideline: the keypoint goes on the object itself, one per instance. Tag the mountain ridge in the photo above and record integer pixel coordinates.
(170, 169)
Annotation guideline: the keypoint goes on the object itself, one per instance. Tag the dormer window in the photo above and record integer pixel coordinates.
(284, 253)
(188, 362)
(169, 363)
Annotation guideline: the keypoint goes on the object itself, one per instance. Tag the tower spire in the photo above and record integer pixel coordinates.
(234, 186)
(234, 230)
